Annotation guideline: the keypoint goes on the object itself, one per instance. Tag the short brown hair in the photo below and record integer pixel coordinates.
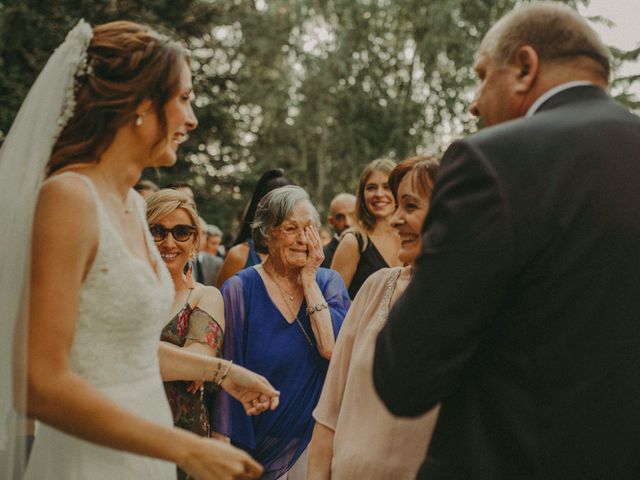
(424, 170)
(555, 31)
(129, 63)
(166, 201)
(364, 218)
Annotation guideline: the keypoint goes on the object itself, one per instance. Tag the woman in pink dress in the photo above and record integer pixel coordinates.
(355, 436)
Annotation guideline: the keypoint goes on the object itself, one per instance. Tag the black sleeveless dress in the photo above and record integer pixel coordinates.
(370, 261)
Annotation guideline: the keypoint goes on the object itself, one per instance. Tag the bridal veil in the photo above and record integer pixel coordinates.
(23, 160)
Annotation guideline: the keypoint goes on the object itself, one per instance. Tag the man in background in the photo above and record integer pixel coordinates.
(214, 241)
(205, 265)
(340, 218)
(145, 188)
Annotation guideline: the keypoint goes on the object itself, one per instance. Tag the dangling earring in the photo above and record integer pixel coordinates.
(190, 281)
(139, 120)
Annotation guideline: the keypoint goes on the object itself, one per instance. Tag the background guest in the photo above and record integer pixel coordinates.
(373, 243)
(282, 319)
(205, 267)
(197, 319)
(243, 254)
(213, 245)
(341, 212)
(355, 435)
(145, 188)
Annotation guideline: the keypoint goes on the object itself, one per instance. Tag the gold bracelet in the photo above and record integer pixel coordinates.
(214, 372)
(224, 375)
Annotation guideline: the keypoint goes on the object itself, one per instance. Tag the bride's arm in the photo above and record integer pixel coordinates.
(254, 391)
(197, 360)
(65, 238)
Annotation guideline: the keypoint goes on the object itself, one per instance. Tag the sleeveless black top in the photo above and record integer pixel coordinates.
(370, 261)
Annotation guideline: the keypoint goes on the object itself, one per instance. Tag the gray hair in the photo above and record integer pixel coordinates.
(213, 231)
(555, 31)
(274, 208)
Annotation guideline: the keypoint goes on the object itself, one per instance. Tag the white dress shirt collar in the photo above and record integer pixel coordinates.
(554, 91)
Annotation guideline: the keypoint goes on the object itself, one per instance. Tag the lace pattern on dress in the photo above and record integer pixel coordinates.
(128, 326)
(390, 286)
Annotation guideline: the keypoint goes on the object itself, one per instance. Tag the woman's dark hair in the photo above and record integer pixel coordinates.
(128, 63)
(270, 180)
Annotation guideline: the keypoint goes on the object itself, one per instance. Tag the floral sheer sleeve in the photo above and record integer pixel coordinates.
(204, 329)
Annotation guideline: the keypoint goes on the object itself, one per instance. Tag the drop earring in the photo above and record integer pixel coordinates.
(139, 120)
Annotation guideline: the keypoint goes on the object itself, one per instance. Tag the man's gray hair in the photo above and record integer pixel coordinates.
(213, 231)
(274, 208)
(555, 31)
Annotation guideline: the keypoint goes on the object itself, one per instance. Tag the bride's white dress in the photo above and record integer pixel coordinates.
(124, 304)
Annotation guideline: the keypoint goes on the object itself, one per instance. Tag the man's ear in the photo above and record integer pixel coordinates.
(527, 64)
(330, 220)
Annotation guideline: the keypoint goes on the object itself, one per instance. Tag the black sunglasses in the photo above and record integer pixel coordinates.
(180, 233)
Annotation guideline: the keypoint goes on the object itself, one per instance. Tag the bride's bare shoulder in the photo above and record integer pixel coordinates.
(66, 201)
(66, 192)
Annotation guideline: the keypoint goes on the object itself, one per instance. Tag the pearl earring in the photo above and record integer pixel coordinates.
(139, 120)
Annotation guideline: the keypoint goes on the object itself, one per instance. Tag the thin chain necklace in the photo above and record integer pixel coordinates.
(126, 204)
(282, 294)
(282, 290)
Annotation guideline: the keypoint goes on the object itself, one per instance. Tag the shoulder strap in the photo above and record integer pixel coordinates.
(186, 302)
(87, 181)
(358, 236)
(100, 209)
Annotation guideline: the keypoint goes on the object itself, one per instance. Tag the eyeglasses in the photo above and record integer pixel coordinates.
(180, 233)
(340, 217)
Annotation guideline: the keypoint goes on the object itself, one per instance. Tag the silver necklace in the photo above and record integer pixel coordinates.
(304, 332)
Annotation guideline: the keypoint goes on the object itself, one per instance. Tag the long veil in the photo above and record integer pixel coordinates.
(23, 159)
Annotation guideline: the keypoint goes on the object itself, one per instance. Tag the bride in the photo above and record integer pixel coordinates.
(110, 102)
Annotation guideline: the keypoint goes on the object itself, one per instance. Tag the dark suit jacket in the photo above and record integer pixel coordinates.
(329, 251)
(206, 268)
(523, 317)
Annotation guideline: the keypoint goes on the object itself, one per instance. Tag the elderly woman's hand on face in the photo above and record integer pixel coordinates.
(315, 255)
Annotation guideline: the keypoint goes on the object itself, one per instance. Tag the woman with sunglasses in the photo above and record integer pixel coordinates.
(197, 319)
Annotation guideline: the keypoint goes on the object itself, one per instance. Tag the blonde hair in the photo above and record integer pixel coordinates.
(166, 201)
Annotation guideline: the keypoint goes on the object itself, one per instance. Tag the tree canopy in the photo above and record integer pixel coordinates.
(316, 87)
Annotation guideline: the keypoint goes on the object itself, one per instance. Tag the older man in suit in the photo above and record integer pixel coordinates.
(523, 316)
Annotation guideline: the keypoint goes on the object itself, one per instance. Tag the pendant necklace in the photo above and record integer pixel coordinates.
(282, 294)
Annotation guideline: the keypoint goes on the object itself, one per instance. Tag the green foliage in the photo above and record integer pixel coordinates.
(317, 87)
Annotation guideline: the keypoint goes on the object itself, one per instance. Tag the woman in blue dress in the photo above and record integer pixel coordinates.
(282, 317)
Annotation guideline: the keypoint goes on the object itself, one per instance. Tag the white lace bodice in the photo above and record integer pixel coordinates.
(123, 308)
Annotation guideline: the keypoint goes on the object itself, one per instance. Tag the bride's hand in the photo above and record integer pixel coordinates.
(211, 459)
(252, 390)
